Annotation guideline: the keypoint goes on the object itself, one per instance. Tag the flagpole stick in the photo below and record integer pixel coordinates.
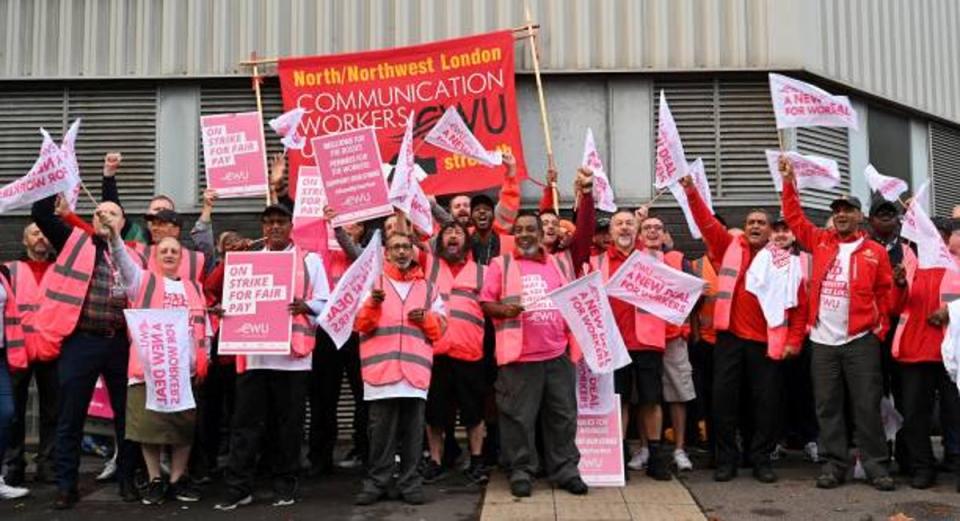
(780, 140)
(257, 79)
(656, 196)
(92, 200)
(551, 165)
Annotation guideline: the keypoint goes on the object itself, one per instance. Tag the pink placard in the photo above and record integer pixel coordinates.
(100, 402)
(257, 288)
(353, 182)
(600, 442)
(311, 231)
(234, 154)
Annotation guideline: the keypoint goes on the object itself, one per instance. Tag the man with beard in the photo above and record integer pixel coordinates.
(849, 314)
(26, 279)
(536, 380)
(744, 340)
(398, 323)
(457, 381)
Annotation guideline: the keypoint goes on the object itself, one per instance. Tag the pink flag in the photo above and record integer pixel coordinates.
(53, 172)
(586, 309)
(889, 187)
(345, 300)
(810, 171)
(699, 177)
(650, 284)
(671, 162)
(602, 191)
(163, 342)
(287, 126)
(919, 228)
(799, 104)
(453, 135)
(311, 231)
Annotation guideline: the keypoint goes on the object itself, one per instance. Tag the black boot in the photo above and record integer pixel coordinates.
(658, 466)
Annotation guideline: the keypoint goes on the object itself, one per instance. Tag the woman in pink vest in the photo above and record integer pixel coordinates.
(154, 430)
(398, 324)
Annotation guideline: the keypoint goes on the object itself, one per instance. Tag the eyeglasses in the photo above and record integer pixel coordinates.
(398, 247)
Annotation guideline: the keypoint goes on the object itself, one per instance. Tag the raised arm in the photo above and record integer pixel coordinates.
(586, 221)
(130, 272)
(715, 234)
(202, 232)
(53, 227)
(508, 206)
(804, 230)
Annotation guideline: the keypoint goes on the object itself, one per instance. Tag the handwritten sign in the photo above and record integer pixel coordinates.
(650, 284)
(341, 310)
(349, 165)
(600, 441)
(164, 345)
(234, 154)
(800, 104)
(586, 309)
(257, 288)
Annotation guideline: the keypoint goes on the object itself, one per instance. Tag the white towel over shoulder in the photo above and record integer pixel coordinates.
(774, 277)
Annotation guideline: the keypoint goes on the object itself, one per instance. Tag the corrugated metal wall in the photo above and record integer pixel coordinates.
(905, 51)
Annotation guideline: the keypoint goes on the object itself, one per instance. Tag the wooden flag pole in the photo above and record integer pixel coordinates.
(543, 107)
(257, 80)
(92, 200)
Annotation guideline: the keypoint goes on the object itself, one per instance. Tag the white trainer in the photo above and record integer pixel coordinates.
(812, 452)
(8, 492)
(682, 461)
(639, 459)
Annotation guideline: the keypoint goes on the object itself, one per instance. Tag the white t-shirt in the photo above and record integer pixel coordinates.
(834, 314)
(403, 388)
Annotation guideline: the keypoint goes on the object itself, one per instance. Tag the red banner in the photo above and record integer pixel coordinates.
(379, 88)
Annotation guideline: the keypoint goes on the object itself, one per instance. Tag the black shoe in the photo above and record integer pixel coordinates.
(477, 474)
(413, 497)
(14, 477)
(432, 472)
(724, 473)
(369, 497)
(922, 480)
(658, 467)
(129, 492)
(234, 500)
(764, 473)
(156, 492)
(521, 488)
(575, 486)
(883, 484)
(828, 480)
(66, 500)
(183, 490)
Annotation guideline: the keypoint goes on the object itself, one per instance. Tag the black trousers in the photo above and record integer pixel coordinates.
(396, 427)
(921, 382)
(799, 418)
(83, 358)
(48, 383)
(329, 366)
(267, 397)
(740, 364)
(850, 371)
(215, 406)
(701, 358)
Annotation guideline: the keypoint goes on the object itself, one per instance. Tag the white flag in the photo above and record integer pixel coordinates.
(889, 187)
(919, 228)
(799, 104)
(287, 125)
(68, 147)
(53, 172)
(671, 162)
(166, 350)
(602, 191)
(950, 348)
(595, 392)
(699, 176)
(586, 309)
(453, 135)
(650, 284)
(406, 194)
(341, 310)
(809, 171)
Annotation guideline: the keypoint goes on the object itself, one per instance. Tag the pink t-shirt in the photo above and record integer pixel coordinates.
(544, 331)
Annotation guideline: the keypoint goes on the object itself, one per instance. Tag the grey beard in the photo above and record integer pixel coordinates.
(528, 251)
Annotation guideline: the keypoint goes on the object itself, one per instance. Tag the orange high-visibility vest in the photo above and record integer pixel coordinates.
(303, 335)
(28, 295)
(649, 329)
(398, 349)
(704, 269)
(191, 263)
(463, 338)
(151, 295)
(949, 291)
(509, 331)
(731, 269)
(13, 339)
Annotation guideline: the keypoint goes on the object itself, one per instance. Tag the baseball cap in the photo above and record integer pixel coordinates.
(846, 200)
(880, 205)
(275, 209)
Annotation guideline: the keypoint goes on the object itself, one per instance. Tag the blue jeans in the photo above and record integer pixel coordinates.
(6, 402)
